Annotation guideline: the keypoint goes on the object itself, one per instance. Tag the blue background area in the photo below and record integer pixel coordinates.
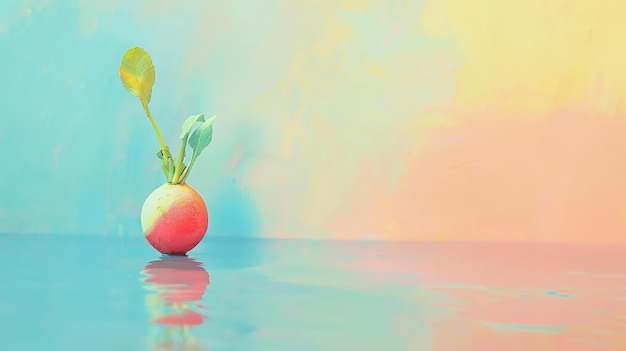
(79, 151)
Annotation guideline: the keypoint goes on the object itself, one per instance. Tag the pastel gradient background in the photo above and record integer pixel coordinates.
(396, 120)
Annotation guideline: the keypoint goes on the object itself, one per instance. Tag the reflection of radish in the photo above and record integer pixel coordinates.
(180, 280)
(174, 217)
(176, 287)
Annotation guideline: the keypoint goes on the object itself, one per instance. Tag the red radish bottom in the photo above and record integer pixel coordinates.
(174, 219)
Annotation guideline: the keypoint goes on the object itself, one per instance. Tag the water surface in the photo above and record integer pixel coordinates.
(111, 293)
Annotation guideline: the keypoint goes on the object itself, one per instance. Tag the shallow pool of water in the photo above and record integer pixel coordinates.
(111, 293)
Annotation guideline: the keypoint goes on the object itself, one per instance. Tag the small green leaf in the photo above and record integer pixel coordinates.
(184, 136)
(189, 123)
(137, 74)
(160, 154)
(201, 137)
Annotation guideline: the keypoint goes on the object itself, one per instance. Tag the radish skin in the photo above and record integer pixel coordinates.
(174, 219)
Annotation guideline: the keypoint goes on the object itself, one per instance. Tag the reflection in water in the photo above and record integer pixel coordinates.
(312, 295)
(176, 286)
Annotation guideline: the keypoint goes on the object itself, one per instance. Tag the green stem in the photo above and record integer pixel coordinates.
(170, 175)
(166, 151)
(167, 156)
(188, 169)
(179, 165)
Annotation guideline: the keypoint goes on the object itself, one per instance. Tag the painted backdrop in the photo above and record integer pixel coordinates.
(351, 119)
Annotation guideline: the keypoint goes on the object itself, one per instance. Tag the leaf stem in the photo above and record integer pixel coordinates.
(188, 169)
(166, 151)
(167, 156)
(179, 165)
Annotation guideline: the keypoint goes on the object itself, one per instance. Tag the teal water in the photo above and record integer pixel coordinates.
(113, 293)
(77, 292)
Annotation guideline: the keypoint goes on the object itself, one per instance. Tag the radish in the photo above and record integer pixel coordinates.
(174, 217)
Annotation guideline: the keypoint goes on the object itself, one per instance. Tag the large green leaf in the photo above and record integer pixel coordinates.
(137, 73)
(202, 136)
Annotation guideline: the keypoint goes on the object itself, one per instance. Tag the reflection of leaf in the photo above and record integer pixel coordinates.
(189, 123)
(137, 74)
(201, 137)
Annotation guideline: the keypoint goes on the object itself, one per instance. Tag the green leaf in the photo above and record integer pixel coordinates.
(189, 123)
(160, 154)
(137, 74)
(201, 137)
